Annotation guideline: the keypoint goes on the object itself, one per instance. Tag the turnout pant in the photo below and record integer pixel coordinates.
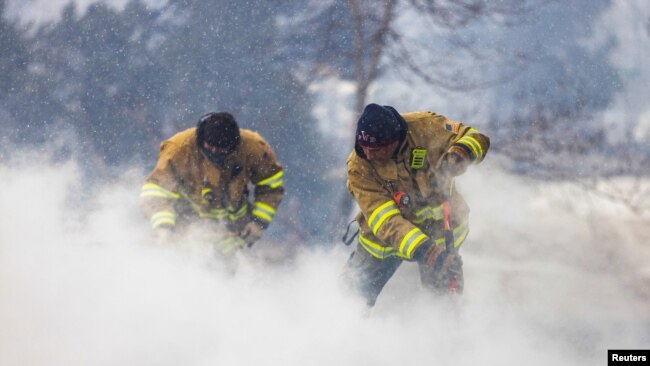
(368, 275)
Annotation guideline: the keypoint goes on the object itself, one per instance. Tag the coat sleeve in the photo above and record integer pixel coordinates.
(468, 142)
(267, 177)
(160, 190)
(380, 211)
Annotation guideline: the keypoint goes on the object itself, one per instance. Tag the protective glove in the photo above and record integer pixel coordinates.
(455, 161)
(230, 244)
(251, 233)
(430, 254)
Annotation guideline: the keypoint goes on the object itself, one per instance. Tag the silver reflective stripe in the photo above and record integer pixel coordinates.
(460, 233)
(381, 214)
(376, 250)
(410, 242)
(381, 252)
(429, 212)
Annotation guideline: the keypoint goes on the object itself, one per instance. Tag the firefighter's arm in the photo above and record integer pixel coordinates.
(160, 190)
(267, 177)
(383, 215)
(466, 146)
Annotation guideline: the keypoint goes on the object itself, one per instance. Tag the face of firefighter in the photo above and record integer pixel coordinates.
(380, 154)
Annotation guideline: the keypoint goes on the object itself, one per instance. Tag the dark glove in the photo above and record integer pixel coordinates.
(429, 253)
(455, 161)
(251, 233)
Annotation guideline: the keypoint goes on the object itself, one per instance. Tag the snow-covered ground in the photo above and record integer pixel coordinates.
(550, 280)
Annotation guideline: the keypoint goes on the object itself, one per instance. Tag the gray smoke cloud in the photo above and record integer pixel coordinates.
(81, 283)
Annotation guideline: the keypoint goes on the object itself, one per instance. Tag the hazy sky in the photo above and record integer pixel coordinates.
(42, 11)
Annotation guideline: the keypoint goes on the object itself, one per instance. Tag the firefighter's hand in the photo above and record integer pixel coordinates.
(454, 162)
(251, 233)
(429, 254)
(230, 244)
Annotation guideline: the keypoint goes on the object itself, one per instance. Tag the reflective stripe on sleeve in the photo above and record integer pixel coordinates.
(263, 211)
(460, 233)
(382, 252)
(474, 145)
(381, 214)
(428, 212)
(273, 181)
(154, 190)
(410, 242)
(163, 218)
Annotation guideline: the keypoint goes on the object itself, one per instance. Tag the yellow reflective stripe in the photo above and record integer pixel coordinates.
(376, 250)
(381, 252)
(163, 217)
(154, 190)
(429, 212)
(231, 243)
(471, 131)
(410, 241)
(236, 215)
(273, 181)
(473, 144)
(460, 234)
(215, 213)
(263, 211)
(194, 205)
(381, 214)
(477, 145)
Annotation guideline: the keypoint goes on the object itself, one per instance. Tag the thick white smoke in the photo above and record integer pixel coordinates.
(81, 284)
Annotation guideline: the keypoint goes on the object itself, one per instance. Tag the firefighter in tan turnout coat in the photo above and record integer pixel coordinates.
(203, 174)
(401, 173)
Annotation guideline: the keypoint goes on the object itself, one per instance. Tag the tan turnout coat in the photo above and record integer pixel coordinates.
(387, 231)
(184, 184)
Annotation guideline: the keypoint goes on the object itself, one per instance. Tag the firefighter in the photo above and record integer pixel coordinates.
(203, 175)
(401, 173)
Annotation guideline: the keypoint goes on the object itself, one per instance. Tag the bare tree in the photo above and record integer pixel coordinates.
(366, 69)
(621, 176)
